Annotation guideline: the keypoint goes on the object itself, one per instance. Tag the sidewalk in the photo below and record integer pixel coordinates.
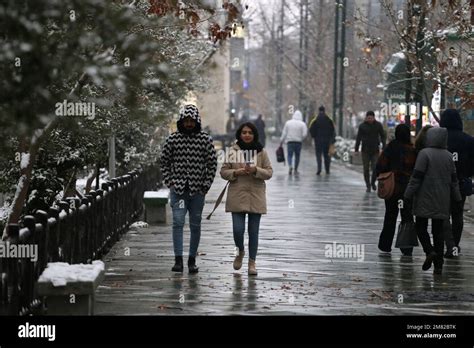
(306, 215)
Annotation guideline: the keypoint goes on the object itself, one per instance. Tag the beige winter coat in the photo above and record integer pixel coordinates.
(246, 193)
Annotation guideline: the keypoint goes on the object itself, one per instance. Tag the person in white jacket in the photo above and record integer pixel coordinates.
(294, 132)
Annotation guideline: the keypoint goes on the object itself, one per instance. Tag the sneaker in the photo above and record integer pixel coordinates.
(238, 260)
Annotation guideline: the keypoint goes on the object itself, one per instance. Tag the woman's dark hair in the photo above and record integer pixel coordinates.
(402, 134)
(255, 143)
(251, 126)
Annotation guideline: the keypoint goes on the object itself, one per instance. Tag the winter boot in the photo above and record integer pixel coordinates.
(252, 267)
(178, 264)
(238, 260)
(192, 265)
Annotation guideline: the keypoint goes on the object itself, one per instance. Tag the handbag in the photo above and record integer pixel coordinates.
(280, 154)
(219, 200)
(386, 185)
(332, 149)
(406, 237)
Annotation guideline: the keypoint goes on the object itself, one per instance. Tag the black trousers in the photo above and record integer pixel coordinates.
(457, 218)
(424, 237)
(393, 206)
(369, 160)
(322, 149)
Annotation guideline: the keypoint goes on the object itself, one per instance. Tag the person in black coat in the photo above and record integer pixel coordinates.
(323, 132)
(260, 124)
(399, 157)
(370, 134)
(461, 145)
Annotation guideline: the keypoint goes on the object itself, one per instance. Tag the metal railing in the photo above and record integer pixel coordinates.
(74, 231)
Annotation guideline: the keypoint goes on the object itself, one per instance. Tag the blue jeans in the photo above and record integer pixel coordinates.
(181, 204)
(294, 147)
(238, 222)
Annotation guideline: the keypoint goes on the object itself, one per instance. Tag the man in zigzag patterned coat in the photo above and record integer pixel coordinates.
(188, 165)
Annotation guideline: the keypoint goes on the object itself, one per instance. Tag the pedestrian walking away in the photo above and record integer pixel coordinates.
(433, 183)
(461, 145)
(323, 132)
(398, 157)
(246, 196)
(371, 135)
(294, 132)
(188, 164)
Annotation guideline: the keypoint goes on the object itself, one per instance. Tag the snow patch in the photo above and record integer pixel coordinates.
(138, 224)
(61, 273)
(25, 160)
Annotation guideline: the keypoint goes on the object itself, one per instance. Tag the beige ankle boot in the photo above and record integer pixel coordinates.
(252, 267)
(238, 260)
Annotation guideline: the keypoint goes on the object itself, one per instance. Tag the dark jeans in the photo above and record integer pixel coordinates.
(424, 237)
(390, 221)
(238, 222)
(369, 160)
(181, 204)
(457, 217)
(294, 147)
(322, 148)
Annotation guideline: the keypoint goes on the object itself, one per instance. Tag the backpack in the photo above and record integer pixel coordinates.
(386, 185)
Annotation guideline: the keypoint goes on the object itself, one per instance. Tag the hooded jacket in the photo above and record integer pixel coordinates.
(189, 161)
(322, 129)
(460, 144)
(434, 181)
(294, 129)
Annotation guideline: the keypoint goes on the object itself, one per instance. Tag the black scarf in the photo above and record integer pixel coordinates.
(254, 145)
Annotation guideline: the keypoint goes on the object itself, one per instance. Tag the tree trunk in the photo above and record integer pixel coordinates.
(27, 168)
(25, 174)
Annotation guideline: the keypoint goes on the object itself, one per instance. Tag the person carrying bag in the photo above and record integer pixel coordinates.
(393, 170)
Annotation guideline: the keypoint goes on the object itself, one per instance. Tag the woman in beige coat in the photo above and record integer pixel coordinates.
(246, 166)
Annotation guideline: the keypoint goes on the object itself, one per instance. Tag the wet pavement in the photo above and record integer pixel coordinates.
(309, 217)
